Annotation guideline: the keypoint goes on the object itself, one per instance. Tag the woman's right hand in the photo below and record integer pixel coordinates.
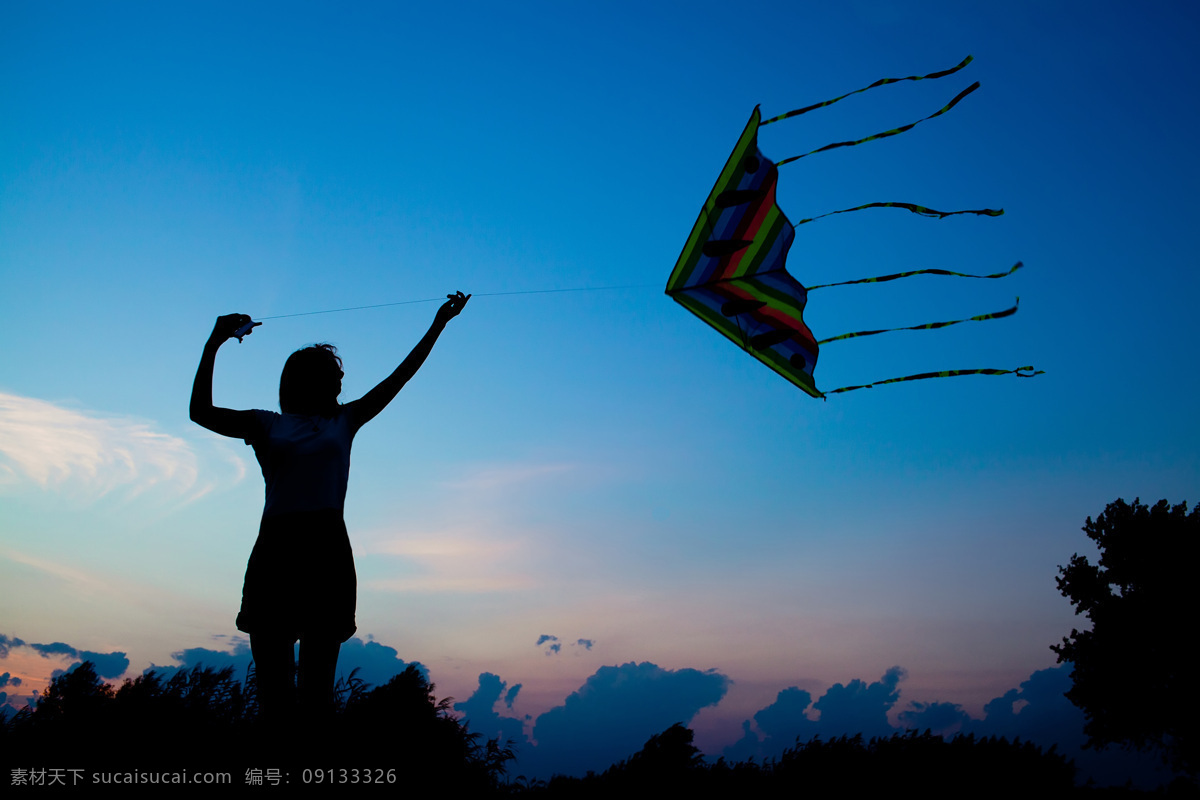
(225, 421)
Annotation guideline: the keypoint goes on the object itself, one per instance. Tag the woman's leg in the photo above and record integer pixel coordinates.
(318, 664)
(275, 671)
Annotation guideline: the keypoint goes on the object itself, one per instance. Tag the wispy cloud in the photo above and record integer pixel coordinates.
(490, 544)
(89, 455)
(506, 476)
(451, 561)
(97, 588)
(83, 582)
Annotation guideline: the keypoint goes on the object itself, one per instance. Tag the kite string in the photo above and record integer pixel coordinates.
(477, 294)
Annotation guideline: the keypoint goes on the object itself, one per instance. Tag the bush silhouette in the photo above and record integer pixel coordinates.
(205, 720)
(846, 766)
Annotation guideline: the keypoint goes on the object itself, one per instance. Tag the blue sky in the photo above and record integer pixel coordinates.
(595, 465)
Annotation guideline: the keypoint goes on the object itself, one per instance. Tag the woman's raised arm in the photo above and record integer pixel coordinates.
(225, 421)
(374, 401)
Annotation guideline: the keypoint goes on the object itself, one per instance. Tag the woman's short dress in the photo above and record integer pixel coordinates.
(300, 580)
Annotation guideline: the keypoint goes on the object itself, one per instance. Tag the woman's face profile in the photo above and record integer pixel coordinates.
(337, 385)
(329, 379)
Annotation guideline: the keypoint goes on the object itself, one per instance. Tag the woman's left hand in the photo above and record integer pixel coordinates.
(452, 307)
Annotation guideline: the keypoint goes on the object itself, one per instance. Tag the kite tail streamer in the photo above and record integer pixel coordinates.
(1020, 372)
(916, 209)
(881, 82)
(883, 278)
(884, 134)
(1008, 312)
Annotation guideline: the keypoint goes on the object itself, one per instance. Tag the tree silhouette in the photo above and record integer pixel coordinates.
(1134, 671)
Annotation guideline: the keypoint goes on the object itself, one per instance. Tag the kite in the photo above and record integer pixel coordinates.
(732, 275)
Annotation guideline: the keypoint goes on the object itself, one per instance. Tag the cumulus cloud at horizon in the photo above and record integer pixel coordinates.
(619, 707)
(62, 658)
(608, 718)
(844, 709)
(1038, 712)
(478, 711)
(615, 711)
(367, 660)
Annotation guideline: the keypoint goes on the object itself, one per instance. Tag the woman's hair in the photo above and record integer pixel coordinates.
(308, 385)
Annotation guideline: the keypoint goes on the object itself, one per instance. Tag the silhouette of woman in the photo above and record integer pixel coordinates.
(300, 581)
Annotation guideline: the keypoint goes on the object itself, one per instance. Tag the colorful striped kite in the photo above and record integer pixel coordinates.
(731, 272)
